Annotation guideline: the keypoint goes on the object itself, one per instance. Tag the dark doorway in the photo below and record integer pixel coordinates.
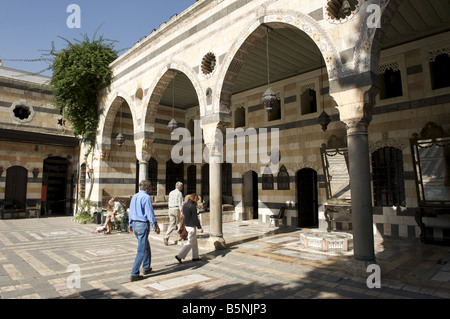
(307, 198)
(55, 182)
(174, 174)
(16, 186)
(191, 186)
(250, 194)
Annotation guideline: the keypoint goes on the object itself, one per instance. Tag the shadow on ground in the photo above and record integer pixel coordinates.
(404, 264)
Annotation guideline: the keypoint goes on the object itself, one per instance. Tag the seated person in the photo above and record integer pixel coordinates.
(114, 212)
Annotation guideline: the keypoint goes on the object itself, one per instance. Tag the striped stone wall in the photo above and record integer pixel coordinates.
(28, 142)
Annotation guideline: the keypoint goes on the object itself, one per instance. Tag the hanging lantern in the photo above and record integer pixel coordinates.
(324, 120)
(120, 139)
(269, 99)
(172, 125)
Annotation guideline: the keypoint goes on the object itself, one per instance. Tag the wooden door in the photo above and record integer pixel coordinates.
(16, 186)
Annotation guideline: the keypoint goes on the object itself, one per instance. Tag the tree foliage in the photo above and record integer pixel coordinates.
(79, 71)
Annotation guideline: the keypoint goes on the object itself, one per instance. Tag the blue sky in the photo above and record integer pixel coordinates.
(28, 26)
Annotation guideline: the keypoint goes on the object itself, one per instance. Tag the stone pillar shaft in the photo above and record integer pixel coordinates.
(143, 171)
(216, 240)
(360, 187)
(214, 142)
(215, 198)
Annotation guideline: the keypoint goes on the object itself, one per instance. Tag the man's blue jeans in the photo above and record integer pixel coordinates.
(143, 255)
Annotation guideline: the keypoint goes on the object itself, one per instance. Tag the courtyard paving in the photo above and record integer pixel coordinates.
(40, 258)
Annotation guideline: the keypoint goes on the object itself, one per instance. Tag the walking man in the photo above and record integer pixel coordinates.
(175, 207)
(140, 217)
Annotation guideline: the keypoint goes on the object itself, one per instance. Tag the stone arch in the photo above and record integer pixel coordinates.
(255, 31)
(107, 121)
(162, 80)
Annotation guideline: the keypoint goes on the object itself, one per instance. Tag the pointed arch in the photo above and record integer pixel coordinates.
(157, 88)
(107, 118)
(255, 31)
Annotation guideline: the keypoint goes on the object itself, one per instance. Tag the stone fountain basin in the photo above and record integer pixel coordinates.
(326, 241)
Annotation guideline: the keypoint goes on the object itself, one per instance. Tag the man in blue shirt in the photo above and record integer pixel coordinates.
(140, 217)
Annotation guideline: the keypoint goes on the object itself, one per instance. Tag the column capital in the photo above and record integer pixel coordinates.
(355, 107)
(144, 149)
(357, 125)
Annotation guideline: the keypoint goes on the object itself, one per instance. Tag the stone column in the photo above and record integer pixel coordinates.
(361, 191)
(355, 111)
(216, 239)
(212, 136)
(143, 171)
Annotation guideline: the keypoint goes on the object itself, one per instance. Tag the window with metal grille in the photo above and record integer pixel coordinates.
(283, 179)
(276, 111)
(267, 179)
(387, 177)
(391, 84)
(239, 117)
(439, 69)
(308, 101)
(83, 180)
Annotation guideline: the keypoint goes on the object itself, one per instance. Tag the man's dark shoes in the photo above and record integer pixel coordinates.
(147, 271)
(178, 258)
(196, 259)
(136, 278)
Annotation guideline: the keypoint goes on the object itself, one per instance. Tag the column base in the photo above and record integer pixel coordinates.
(215, 243)
(359, 269)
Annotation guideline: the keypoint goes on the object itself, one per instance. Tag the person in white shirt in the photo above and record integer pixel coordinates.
(175, 208)
(115, 212)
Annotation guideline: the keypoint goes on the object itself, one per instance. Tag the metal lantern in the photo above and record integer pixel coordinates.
(324, 120)
(269, 99)
(120, 139)
(172, 125)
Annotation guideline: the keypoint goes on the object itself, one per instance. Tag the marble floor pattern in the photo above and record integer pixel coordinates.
(52, 258)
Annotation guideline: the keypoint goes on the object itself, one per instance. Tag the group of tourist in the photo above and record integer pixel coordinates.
(142, 220)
